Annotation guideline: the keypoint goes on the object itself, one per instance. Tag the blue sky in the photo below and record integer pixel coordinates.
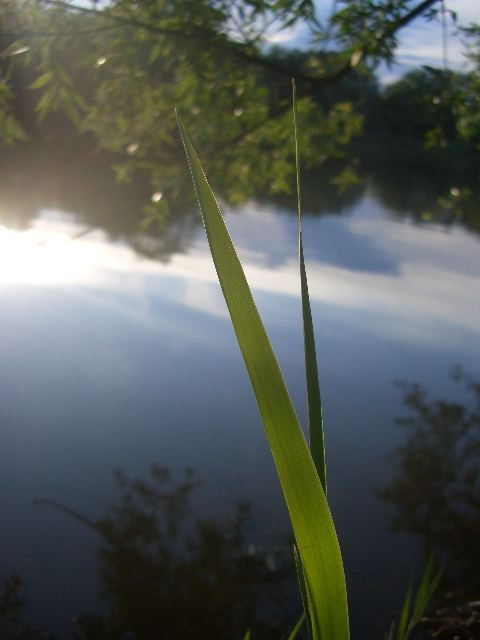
(421, 43)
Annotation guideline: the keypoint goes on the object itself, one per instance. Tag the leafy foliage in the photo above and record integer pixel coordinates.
(10, 129)
(467, 107)
(118, 71)
(422, 104)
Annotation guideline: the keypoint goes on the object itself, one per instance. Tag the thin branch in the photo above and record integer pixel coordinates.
(411, 15)
(79, 517)
(125, 20)
(70, 512)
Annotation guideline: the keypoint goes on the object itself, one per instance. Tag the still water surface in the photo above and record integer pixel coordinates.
(112, 360)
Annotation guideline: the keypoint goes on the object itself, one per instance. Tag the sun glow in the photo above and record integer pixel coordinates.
(44, 254)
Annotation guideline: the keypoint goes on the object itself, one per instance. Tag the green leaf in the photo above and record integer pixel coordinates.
(42, 80)
(305, 498)
(315, 417)
(247, 635)
(45, 103)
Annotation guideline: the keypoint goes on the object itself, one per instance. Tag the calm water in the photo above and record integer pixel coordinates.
(112, 360)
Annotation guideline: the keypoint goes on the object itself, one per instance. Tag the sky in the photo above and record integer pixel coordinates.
(420, 43)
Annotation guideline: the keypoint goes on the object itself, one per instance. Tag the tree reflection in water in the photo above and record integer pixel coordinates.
(436, 493)
(12, 608)
(165, 574)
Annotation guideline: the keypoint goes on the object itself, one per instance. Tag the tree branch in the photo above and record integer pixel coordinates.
(217, 41)
(79, 517)
(414, 13)
(57, 34)
(45, 502)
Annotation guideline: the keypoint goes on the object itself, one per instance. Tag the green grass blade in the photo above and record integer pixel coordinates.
(427, 588)
(296, 629)
(404, 616)
(306, 502)
(247, 635)
(391, 632)
(315, 417)
(425, 591)
(303, 590)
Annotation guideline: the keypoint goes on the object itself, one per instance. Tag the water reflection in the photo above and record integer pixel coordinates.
(357, 263)
(49, 176)
(416, 183)
(435, 493)
(12, 611)
(166, 573)
(110, 359)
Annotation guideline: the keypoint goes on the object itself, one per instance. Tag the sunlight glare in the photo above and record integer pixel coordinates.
(41, 255)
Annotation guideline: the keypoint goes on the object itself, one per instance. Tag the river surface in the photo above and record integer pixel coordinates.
(110, 359)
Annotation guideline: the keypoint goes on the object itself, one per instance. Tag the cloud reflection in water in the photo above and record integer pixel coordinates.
(406, 282)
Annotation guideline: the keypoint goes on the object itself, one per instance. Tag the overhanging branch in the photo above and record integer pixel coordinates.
(246, 53)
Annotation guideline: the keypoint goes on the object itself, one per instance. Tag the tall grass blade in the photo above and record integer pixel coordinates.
(391, 632)
(404, 616)
(315, 417)
(296, 629)
(425, 591)
(304, 495)
(303, 590)
(427, 588)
